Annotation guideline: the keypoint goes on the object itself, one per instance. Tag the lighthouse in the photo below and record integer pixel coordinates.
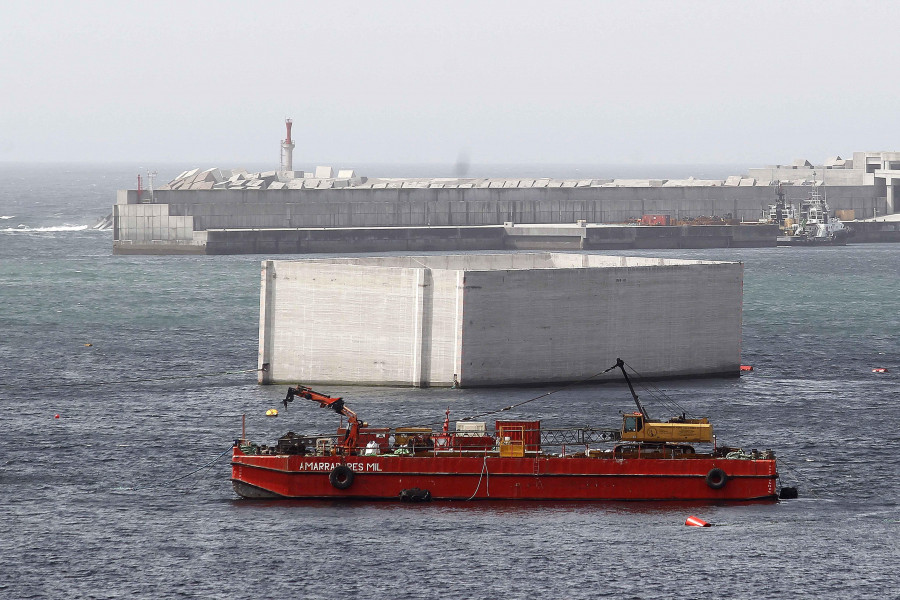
(287, 149)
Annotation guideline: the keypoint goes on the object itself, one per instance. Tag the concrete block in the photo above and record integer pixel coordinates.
(496, 319)
(324, 172)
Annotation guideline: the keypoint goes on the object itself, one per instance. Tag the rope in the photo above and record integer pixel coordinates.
(487, 484)
(657, 394)
(544, 395)
(207, 465)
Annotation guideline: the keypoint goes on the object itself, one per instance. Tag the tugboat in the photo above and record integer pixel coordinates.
(645, 459)
(810, 225)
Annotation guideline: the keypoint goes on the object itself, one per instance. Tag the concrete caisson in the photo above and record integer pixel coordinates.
(495, 319)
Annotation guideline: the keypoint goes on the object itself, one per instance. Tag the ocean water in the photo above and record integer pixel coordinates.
(148, 361)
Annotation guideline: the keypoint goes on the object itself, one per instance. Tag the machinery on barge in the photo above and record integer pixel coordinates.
(645, 459)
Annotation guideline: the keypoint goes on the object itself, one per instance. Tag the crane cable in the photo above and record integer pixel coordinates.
(544, 395)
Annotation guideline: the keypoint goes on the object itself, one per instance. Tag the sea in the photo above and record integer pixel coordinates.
(124, 380)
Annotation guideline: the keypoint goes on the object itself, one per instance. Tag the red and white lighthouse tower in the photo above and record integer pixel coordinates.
(287, 149)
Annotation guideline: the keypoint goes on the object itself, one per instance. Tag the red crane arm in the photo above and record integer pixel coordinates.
(335, 404)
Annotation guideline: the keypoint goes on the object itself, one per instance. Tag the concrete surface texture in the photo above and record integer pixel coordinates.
(495, 319)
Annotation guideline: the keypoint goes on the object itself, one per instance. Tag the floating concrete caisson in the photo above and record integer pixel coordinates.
(495, 319)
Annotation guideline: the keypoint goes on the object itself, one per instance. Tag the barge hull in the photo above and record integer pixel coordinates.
(505, 478)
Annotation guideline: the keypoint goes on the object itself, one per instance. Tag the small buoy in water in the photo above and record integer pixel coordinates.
(746, 368)
(879, 370)
(56, 416)
(272, 412)
(88, 345)
(695, 522)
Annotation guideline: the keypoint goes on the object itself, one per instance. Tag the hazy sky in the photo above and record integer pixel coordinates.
(210, 83)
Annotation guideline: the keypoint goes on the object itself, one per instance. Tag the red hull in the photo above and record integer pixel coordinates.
(500, 478)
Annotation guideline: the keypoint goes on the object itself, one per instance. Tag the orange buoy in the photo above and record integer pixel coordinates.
(695, 522)
(879, 370)
(746, 368)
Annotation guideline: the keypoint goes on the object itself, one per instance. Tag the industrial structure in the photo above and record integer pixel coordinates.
(495, 319)
(222, 211)
(287, 150)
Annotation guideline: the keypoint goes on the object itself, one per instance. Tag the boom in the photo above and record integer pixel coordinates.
(621, 364)
(349, 443)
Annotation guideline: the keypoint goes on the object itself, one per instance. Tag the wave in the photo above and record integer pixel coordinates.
(51, 229)
(4, 217)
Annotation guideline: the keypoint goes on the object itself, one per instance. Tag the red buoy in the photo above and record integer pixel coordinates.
(746, 368)
(879, 370)
(56, 417)
(695, 522)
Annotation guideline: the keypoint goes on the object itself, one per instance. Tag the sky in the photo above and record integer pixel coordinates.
(209, 83)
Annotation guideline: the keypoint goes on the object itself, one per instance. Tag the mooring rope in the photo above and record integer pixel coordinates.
(207, 465)
(487, 486)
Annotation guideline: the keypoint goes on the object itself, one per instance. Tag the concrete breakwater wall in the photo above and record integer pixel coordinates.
(228, 209)
(178, 220)
(485, 237)
(874, 231)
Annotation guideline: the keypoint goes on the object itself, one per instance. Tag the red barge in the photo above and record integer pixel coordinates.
(517, 460)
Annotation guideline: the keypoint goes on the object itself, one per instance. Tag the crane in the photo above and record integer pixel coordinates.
(348, 444)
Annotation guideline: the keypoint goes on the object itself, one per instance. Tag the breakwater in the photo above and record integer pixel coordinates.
(486, 237)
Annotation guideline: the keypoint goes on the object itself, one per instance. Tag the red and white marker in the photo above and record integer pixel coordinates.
(693, 521)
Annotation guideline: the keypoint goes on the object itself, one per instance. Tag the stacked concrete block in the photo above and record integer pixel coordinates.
(502, 319)
(148, 224)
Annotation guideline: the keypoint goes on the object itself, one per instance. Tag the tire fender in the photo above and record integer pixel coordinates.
(716, 478)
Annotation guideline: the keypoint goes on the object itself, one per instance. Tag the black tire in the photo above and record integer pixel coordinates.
(716, 478)
(341, 477)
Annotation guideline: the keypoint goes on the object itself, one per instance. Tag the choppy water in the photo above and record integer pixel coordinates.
(134, 412)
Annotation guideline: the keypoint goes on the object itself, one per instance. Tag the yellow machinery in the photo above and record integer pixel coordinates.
(636, 428)
(639, 427)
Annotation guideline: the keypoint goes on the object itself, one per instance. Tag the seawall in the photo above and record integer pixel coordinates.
(486, 237)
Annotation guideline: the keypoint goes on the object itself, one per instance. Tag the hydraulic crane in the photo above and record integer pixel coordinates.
(348, 445)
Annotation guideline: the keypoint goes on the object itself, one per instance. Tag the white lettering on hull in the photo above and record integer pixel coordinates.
(326, 466)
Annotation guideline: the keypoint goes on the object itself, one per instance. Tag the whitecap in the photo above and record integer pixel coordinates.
(4, 217)
(25, 229)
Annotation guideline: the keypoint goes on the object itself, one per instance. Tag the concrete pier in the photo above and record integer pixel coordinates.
(495, 319)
